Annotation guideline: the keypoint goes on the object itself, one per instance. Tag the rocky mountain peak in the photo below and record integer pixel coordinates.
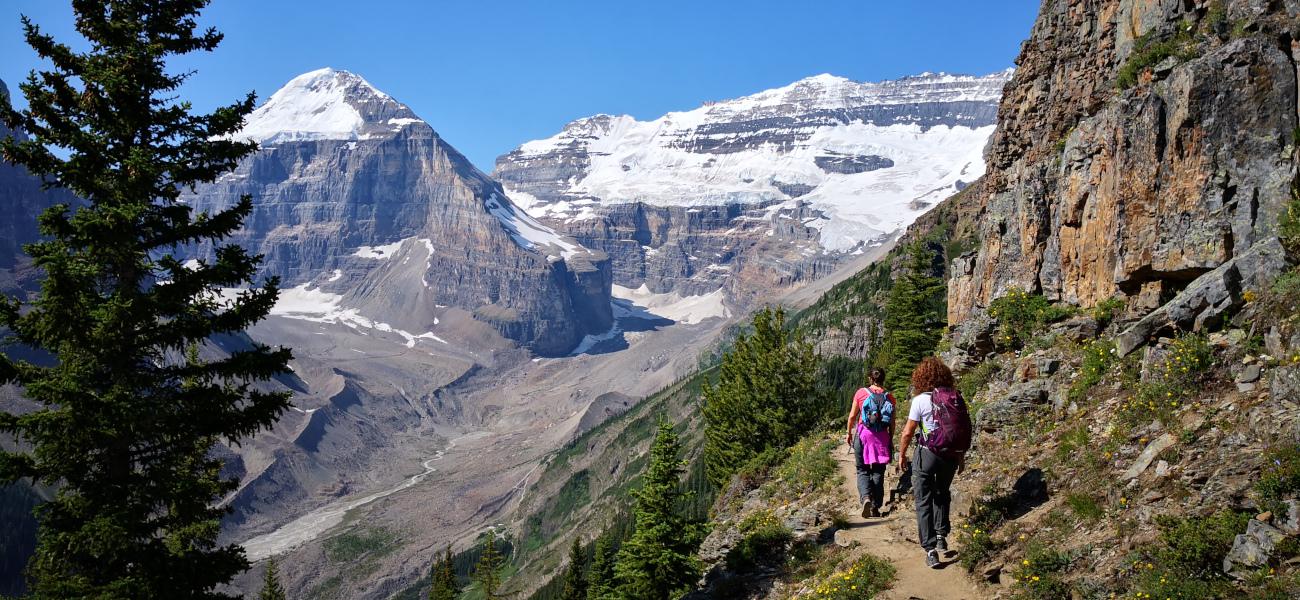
(327, 104)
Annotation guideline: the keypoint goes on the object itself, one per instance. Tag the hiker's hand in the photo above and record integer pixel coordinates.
(898, 466)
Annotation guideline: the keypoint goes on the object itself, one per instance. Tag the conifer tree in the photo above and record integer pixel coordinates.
(444, 584)
(575, 581)
(658, 562)
(766, 396)
(126, 421)
(271, 588)
(487, 573)
(600, 577)
(914, 318)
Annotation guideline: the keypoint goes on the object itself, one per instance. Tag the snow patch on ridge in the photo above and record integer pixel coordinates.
(379, 252)
(305, 303)
(683, 309)
(527, 232)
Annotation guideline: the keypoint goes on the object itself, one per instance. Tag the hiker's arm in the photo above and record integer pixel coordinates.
(853, 419)
(908, 431)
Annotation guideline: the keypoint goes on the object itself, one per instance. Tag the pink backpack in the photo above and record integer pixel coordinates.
(952, 434)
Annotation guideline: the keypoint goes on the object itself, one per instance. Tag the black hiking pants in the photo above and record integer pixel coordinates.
(931, 481)
(871, 478)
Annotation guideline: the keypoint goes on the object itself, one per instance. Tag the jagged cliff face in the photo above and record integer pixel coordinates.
(357, 198)
(761, 192)
(1147, 188)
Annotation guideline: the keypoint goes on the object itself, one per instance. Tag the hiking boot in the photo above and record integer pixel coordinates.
(932, 559)
(866, 508)
(941, 544)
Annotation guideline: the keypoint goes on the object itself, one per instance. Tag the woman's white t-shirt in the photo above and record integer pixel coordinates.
(922, 411)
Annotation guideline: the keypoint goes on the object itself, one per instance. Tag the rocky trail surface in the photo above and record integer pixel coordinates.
(892, 538)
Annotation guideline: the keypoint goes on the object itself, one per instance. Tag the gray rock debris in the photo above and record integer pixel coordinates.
(1252, 549)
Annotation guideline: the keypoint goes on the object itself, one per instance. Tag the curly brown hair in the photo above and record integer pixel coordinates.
(930, 374)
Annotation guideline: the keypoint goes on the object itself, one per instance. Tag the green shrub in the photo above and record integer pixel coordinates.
(756, 469)
(1106, 310)
(1148, 51)
(1073, 443)
(1188, 558)
(1097, 359)
(1189, 359)
(1288, 226)
(1280, 477)
(1021, 315)
(976, 546)
(973, 382)
(808, 467)
(1085, 506)
(1195, 546)
(988, 511)
(1038, 576)
(865, 577)
(764, 539)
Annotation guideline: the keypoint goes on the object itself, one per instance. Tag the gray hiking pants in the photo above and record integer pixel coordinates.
(871, 478)
(931, 480)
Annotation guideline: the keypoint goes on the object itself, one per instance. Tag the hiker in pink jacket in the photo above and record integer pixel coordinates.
(871, 434)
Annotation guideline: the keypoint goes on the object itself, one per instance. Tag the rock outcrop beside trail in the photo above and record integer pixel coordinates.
(1108, 179)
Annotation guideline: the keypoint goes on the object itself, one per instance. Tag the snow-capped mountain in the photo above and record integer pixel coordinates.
(868, 156)
(368, 216)
(771, 188)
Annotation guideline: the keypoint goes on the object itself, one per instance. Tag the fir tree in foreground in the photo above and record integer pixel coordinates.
(487, 573)
(126, 421)
(444, 585)
(600, 577)
(271, 588)
(658, 562)
(766, 396)
(575, 581)
(914, 318)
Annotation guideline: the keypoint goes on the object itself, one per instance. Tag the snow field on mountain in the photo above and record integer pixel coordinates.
(683, 309)
(527, 232)
(764, 147)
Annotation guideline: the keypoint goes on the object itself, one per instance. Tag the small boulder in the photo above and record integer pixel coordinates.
(1250, 373)
(1252, 549)
(1078, 329)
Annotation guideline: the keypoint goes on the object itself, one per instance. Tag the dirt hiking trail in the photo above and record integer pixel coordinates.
(893, 538)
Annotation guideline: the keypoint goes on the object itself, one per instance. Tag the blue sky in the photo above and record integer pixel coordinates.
(491, 75)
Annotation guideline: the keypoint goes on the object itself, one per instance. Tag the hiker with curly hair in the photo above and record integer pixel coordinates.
(940, 413)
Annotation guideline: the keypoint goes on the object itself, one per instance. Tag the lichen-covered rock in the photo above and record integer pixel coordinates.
(972, 341)
(1006, 408)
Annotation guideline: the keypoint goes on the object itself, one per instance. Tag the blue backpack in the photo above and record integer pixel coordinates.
(877, 411)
